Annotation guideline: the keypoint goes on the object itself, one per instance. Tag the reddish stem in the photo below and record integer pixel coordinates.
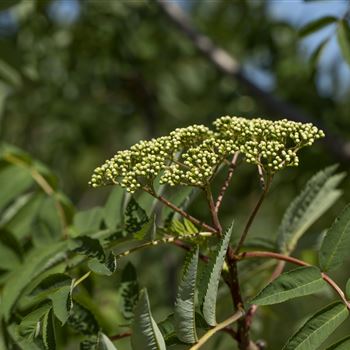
(290, 259)
(227, 182)
(120, 336)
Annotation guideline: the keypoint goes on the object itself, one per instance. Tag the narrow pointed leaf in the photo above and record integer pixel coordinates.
(343, 344)
(211, 278)
(336, 244)
(343, 36)
(38, 261)
(145, 332)
(82, 320)
(292, 284)
(129, 291)
(48, 331)
(317, 25)
(318, 327)
(29, 327)
(185, 314)
(318, 52)
(318, 195)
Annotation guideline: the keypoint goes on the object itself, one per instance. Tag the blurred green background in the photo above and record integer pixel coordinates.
(80, 80)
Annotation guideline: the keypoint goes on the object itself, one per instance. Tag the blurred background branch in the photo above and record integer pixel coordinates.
(229, 65)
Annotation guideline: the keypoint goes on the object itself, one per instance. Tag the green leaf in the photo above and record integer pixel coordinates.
(30, 327)
(88, 220)
(82, 320)
(13, 181)
(88, 246)
(20, 216)
(145, 332)
(107, 267)
(129, 291)
(211, 277)
(90, 342)
(62, 303)
(148, 230)
(106, 343)
(167, 328)
(318, 195)
(48, 331)
(318, 52)
(318, 327)
(10, 251)
(347, 288)
(185, 313)
(292, 284)
(343, 36)
(37, 262)
(336, 243)
(113, 210)
(52, 283)
(343, 344)
(316, 25)
(135, 217)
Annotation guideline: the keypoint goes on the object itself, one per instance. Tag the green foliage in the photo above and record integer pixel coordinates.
(341, 344)
(314, 26)
(292, 284)
(146, 334)
(129, 291)
(48, 250)
(211, 277)
(317, 328)
(36, 263)
(317, 196)
(343, 36)
(185, 313)
(336, 243)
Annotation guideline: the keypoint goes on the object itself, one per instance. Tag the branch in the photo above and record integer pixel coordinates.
(253, 215)
(120, 336)
(295, 261)
(229, 66)
(213, 212)
(236, 316)
(224, 187)
(182, 212)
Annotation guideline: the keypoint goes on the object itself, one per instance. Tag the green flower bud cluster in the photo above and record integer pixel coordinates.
(197, 165)
(139, 166)
(191, 156)
(271, 144)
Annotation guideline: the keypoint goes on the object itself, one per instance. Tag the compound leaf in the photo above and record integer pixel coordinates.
(145, 332)
(292, 284)
(318, 327)
(38, 261)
